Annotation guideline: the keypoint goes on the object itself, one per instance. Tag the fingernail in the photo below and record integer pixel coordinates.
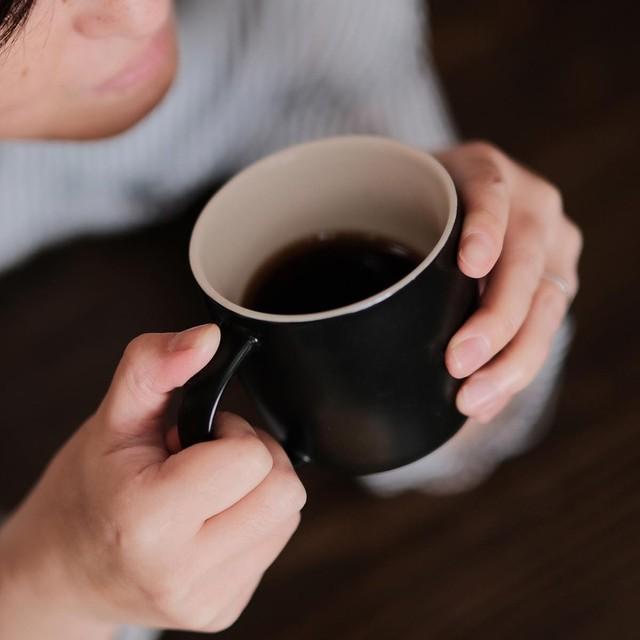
(476, 250)
(190, 338)
(476, 394)
(469, 355)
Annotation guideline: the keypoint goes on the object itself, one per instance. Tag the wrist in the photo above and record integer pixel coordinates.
(37, 599)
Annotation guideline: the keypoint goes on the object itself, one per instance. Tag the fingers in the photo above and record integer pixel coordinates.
(208, 478)
(480, 174)
(276, 500)
(153, 365)
(280, 458)
(210, 608)
(250, 566)
(564, 257)
(487, 392)
(227, 612)
(238, 544)
(505, 302)
(517, 365)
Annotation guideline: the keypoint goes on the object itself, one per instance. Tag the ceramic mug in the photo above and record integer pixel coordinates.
(363, 387)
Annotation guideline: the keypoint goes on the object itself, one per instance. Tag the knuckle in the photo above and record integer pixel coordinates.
(528, 263)
(180, 601)
(508, 326)
(133, 537)
(551, 198)
(171, 603)
(155, 584)
(505, 326)
(135, 348)
(223, 620)
(576, 283)
(165, 589)
(132, 530)
(522, 370)
(488, 224)
(255, 456)
(249, 460)
(120, 516)
(485, 149)
(294, 493)
(163, 600)
(484, 220)
(487, 175)
(574, 238)
(286, 494)
(292, 524)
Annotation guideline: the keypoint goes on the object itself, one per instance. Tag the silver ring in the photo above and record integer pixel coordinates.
(559, 282)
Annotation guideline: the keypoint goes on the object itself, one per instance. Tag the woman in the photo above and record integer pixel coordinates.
(254, 77)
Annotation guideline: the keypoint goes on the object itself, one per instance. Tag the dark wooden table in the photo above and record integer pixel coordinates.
(548, 546)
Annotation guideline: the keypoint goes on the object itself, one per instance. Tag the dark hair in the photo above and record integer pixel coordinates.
(13, 14)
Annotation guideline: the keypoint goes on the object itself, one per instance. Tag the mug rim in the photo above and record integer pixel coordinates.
(279, 156)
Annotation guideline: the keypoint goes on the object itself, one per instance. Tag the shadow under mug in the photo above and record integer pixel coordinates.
(363, 387)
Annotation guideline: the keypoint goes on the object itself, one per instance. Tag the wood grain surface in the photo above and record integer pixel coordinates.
(548, 546)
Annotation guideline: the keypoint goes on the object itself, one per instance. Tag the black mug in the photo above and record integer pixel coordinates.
(363, 387)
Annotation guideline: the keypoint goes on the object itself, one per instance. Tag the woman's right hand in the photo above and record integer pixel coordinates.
(119, 530)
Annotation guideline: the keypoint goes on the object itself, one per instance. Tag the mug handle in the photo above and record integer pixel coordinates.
(203, 392)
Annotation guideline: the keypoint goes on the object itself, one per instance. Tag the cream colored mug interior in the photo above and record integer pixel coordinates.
(344, 184)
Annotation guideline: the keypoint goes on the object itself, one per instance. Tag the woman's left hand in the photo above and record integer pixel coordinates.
(517, 235)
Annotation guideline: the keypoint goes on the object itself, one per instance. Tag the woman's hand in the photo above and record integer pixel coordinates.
(516, 234)
(119, 530)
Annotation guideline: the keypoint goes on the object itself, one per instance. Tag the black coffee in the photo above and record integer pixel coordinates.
(328, 271)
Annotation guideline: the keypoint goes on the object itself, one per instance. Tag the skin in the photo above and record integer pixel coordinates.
(52, 75)
(514, 233)
(128, 539)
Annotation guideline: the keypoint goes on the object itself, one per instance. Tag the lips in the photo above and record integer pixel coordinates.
(144, 65)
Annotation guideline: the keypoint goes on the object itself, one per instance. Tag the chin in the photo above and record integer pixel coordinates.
(110, 116)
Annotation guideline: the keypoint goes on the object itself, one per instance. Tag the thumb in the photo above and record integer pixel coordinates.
(153, 365)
